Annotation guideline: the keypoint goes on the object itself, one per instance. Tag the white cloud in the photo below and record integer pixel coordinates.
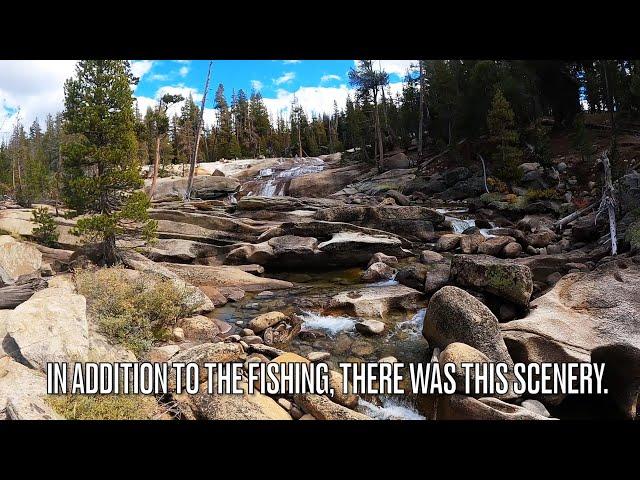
(315, 100)
(285, 78)
(140, 68)
(326, 78)
(159, 77)
(287, 62)
(183, 61)
(183, 71)
(398, 67)
(256, 84)
(36, 87)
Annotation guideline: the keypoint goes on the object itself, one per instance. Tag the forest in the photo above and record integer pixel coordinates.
(458, 103)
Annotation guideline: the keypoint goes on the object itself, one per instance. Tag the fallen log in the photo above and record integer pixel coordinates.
(573, 216)
(14, 295)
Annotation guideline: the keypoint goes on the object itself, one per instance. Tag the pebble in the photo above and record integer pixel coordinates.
(284, 403)
(234, 338)
(307, 416)
(178, 334)
(252, 339)
(247, 332)
(318, 356)
(536, 407)
(295, 412)
(370, 327)
(265, 294)
(244, 345)
(239, 322)
(389, 359)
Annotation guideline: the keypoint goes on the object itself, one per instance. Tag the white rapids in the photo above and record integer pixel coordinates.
(392, 409)
(330, 324)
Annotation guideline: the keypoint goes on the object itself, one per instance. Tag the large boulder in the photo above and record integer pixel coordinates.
(254, 406)
(398, 160)
(621, 375)
(179, 250)
(207, 353)
(197, 300)
(503, 278)
(376, 302)
(322, 408)
(17, 259)
(470, 243)
(582, 312)
(266, 320)
(437, 277)
(448, 242)
(461, 407)
(326, 182)
(378, 271)
(494, 246)
(454, 315)
(459, 353)
(469, 188)
(408, 221)
(204, 187)
(342, 249)
(23, 391)
(205, 226)
(224, 276)
(413, 275)
(49, 327)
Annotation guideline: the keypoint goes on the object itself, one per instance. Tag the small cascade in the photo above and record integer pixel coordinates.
(272, 181)
(392, 409)
(385, 283)
(414, 325)
(327, 323)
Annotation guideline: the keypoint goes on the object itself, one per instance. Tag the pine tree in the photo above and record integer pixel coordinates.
(502, 132)
(101, 169)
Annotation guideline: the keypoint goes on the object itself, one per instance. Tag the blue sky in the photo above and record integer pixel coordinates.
(31, 89)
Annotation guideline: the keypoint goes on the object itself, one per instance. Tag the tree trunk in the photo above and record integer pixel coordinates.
(110, 254)
(378, 133)
(192, 168)
(421, 122)
(608, 203)
(156, 165)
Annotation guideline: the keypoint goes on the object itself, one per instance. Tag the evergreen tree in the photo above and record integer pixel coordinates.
(101, 169)
(503, 134)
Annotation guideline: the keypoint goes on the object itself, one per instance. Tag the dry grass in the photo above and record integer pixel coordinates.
(105, 407)
(131, 308)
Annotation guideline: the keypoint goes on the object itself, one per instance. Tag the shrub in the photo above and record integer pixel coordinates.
(46, 233)
(104, 407)
(547, 194)
(133, 309)
(632, 236)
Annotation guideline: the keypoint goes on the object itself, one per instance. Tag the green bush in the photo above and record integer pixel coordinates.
(46, 233)
(133, 309)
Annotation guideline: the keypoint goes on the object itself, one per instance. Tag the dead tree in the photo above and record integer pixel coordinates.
(421, 122)
(192, 168)
(608, 202)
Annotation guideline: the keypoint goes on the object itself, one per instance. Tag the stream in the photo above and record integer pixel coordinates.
(335, 333)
